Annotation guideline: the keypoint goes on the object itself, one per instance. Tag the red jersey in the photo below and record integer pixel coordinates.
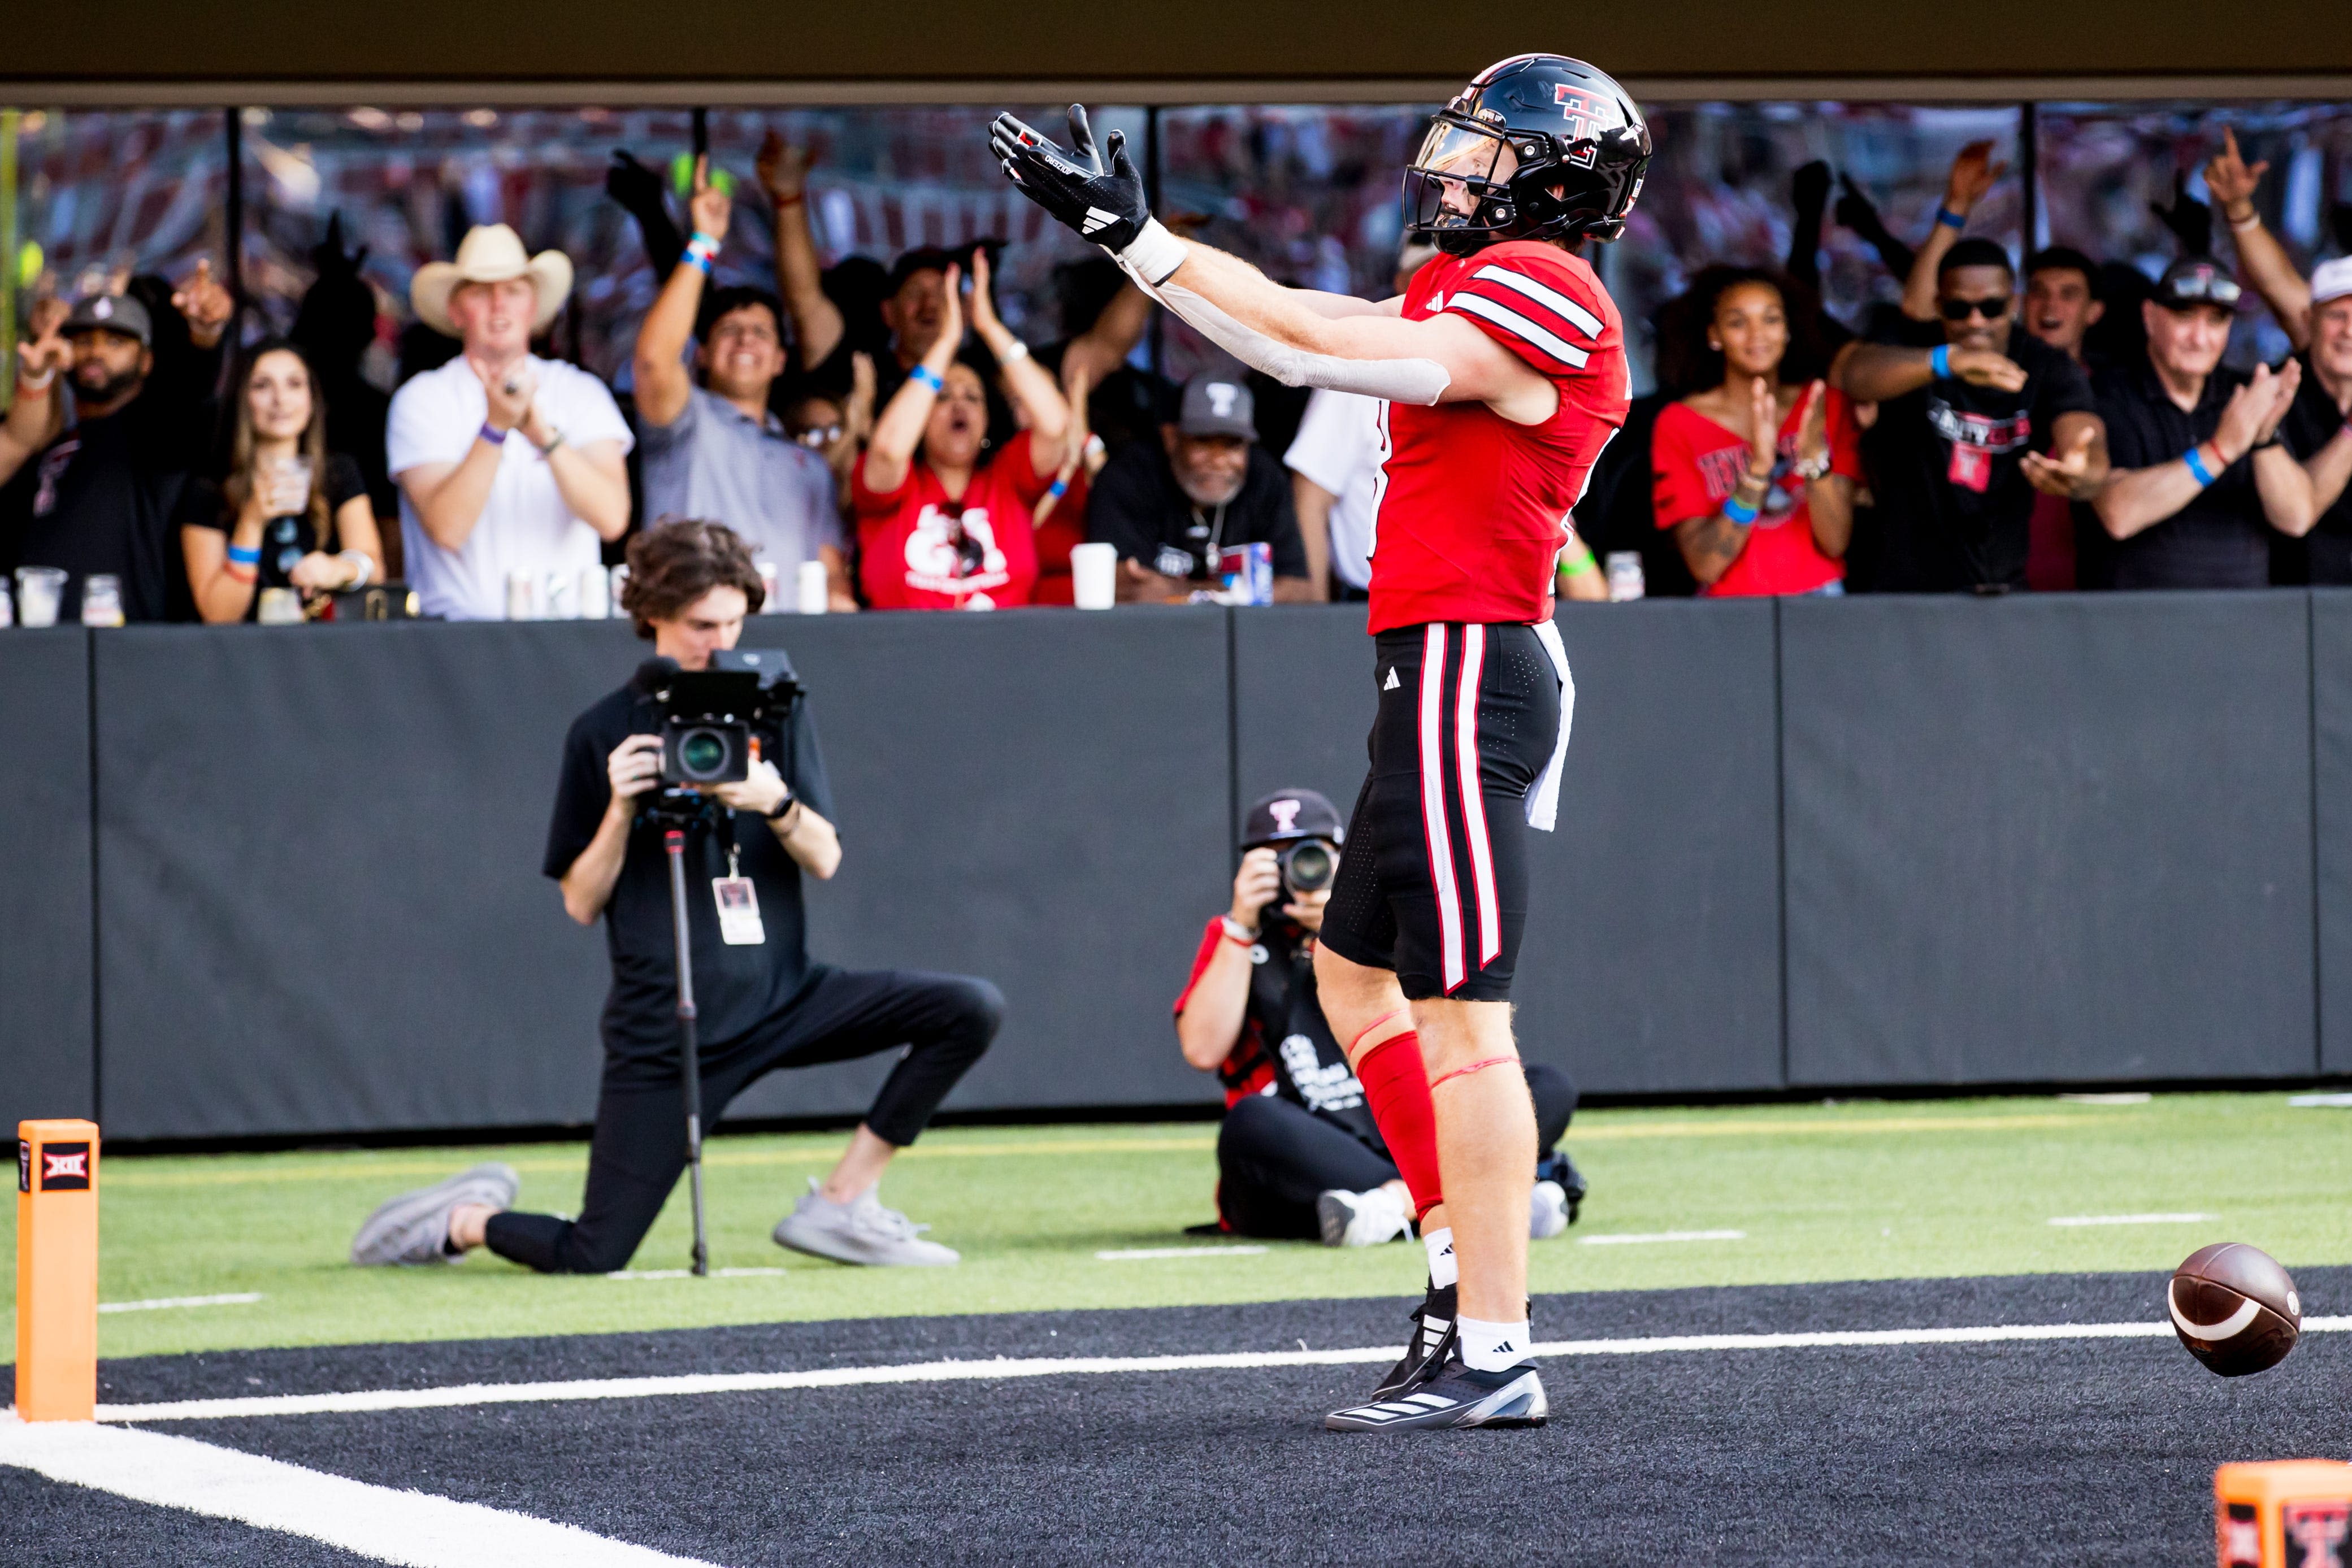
(908, 553)
(1474, 508)
(1696, 463)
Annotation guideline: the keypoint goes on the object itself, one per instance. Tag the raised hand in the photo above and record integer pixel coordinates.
(1857, 211)
(2283, 389)
(1763, 427)
(511, 393)
(2064, 470)
(1810, 187)
(2244, 417)
(782, 168)
(710, 208)
(1983, 367)
(205, 305)
(1973, 173)
(983, 308)
(1106, 205)
(2232, 179)
(1814, 423)
(45, 351)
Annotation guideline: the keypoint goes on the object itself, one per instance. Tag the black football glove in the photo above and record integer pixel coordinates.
(1106, 206)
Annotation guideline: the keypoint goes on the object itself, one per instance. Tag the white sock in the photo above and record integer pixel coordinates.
(1442, 1270)
(1494, 1347)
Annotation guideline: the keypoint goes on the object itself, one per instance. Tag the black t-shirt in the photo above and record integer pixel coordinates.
(94, 501)
(284, 540)
(1283, 1028)
(2220, 539)
(734, 987)
(2311, 423)
(1137, 505)
(1954, 508)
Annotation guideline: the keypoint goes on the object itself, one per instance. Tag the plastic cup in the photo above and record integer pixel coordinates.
(1094, 576)
(101, 600)
(1625, 582)
(522, 596)
(595, 593)
(816, 595)
(39, 589)
(279, 607)
(619, 578)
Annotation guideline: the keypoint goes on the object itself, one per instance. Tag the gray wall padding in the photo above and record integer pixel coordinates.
(47, 1027)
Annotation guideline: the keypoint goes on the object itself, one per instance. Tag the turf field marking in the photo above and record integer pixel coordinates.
(2073, 1219)
(2320, 1102)
(1634, 1237)
(688, 1273)
(165, 1303)
(379, 1522)
(1740, 1127)
(1137, 1254)
(1005, 1367)
(2123, 1097)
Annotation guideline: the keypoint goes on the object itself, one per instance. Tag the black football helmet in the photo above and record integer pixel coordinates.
(1537, 147)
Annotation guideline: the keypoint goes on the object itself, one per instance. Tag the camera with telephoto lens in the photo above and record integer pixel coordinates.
(1307, 867)
(710, 716)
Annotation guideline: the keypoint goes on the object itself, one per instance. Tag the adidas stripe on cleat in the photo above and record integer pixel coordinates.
(1458, 1396)
(1433, 1339)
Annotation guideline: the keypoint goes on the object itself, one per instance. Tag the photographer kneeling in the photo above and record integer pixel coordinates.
(762, 1006)
(1299, 1155)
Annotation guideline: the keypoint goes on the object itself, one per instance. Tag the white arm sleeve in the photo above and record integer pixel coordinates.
(1399, 380)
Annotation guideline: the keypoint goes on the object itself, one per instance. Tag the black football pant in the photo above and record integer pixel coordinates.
(1275, 1157)
(635, 1158)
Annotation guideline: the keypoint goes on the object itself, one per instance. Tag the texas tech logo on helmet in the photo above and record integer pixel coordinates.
(1583, 116)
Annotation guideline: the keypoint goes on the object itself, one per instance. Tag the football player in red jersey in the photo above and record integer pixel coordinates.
(1504, 369)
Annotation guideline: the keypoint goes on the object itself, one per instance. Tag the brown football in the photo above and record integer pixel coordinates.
(2235, 1308)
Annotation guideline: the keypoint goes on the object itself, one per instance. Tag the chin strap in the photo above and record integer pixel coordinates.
(1422, 381)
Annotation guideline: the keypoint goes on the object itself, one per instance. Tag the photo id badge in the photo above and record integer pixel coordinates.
(739, 912)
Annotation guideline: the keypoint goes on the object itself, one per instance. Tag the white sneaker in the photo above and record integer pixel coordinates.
(1547, 1212)
(861, 1232)
(1360, 1219)
(414, 1228)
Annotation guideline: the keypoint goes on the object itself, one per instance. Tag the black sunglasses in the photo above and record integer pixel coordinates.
(1992, 309)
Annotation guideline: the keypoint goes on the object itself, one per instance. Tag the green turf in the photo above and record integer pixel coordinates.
(1856, 1190)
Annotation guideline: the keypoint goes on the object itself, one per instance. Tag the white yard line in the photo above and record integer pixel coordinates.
(2075, 1219)
(1062, 1366)
(1636, 1238)
(2320, 1102)
(688, 1273)
(379, 1522)
(165, 1303)
(1135, 1254)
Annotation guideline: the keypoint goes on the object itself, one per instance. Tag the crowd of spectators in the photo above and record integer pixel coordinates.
(2063, 424)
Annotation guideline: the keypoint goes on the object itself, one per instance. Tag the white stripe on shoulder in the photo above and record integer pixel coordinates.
(1511, 321)
(1552, 299)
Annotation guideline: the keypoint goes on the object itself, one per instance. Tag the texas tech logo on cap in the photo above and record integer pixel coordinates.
(65, 1167)
(1285, 816)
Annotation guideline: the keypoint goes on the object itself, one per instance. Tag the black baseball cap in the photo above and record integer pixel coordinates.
(2195, 280)
(1219, 405)
(111, 313)
(922, 258)
(1289, 814)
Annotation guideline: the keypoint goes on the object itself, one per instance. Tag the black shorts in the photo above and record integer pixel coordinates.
(1433, 878)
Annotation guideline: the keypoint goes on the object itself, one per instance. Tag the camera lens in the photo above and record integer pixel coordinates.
(702, 754)
(1309, 866)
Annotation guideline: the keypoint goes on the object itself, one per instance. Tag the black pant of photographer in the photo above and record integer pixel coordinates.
(638, 1150)
(1275, 1156)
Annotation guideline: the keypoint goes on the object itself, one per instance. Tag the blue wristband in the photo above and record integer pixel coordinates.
(2195, 458)
(495, 437)
(923, 375)
(1940, 362)
(243, 556)
(1739, 511)
(1061, 488)
(1949, 218)
(700, 259)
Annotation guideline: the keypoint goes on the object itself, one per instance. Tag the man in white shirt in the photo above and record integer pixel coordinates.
(475, 504)
(1335, 465)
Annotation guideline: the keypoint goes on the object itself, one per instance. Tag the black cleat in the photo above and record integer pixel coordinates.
(1458, 1395)
(1433, 1339)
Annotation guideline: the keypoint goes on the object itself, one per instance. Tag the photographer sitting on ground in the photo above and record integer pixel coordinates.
(1299, 1155)
(762, 1004)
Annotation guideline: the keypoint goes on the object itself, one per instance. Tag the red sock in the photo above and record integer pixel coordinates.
(1397, 1083)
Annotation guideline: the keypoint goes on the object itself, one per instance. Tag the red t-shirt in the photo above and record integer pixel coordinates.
(1473, 509)
(1246, 1068)
(908, 558)
(1064, 526)
(1697, 463)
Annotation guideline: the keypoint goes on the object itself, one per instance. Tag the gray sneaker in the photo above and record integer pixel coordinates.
(860, 1232)
(415, 1227)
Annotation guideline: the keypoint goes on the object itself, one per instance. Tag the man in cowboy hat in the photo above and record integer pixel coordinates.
(476, 504)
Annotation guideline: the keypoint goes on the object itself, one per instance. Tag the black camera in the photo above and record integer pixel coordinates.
(1307, 867)
(710, 716)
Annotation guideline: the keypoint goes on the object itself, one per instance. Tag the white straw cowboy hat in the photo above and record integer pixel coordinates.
(491, 253)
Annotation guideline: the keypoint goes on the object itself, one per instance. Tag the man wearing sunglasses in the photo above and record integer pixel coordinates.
(2202, 478)
(1969, 427)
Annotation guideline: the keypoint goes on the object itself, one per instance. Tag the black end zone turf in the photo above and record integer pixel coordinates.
(2066, 1451)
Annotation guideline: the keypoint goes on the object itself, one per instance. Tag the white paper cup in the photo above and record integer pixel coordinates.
(279, 607)
(816, 595)
(1094, 576)
(522, 596)
(39, 590)
(595, 593)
